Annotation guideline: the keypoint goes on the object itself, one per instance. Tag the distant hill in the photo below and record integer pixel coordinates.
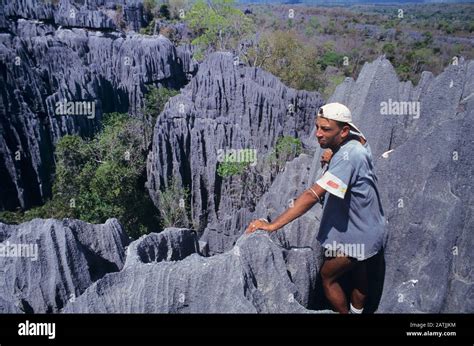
(350, 2)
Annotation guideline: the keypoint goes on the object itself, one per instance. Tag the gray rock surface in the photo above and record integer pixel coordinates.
(424, 183)
(241, 280)
(172, 244)
(60, 259)
(47, 57)
(423, 164)
(225, 106)
(95, 14)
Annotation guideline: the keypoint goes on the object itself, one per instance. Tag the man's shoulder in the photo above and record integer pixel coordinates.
(353, 151)
(352, 147)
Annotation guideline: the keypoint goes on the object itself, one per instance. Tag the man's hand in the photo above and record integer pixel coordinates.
(326, 157)
(259, 224)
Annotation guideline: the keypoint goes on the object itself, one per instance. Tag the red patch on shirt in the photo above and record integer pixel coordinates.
(333, 184)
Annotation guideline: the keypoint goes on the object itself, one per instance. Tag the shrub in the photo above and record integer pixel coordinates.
(101, 178)
(286, 149)
(330, 58)
(284, 55)
(164, 11)
(217, 24)
(173, 208)
(155, 100)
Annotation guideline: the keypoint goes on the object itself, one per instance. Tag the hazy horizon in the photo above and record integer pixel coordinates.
(352, 2)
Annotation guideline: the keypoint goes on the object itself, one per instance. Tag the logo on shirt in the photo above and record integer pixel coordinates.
(332, 184)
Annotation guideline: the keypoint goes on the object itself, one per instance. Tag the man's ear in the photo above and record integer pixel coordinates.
(345, 131)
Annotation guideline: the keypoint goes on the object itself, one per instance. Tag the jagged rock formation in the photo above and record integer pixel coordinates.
(67, 257)
(96, 14)
(221, 235)
(173, 244)
(48, 56)
(422, 161)
(240, 281)
(225, 106)
(425, 183)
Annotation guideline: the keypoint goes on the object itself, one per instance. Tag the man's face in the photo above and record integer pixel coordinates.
(329, 134)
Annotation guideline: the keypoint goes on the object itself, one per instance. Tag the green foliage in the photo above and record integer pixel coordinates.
(164, 11)
(314, 23)
(101, 178)
(333, 82)
(148, 30)
(284, 55)
(199, 55)
(286, 149)
(389, 49)
(330, 28)
(105, 176)
(149, 7)
(330, 58)
(173, 205)
(229, 167)
(312, 26)
(217, 25)
(403, 71)
(446, 26)
(155, 100)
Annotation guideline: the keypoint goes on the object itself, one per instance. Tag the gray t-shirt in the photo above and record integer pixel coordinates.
(353, 221)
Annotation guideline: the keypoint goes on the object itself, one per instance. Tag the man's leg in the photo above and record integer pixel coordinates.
(331, 270)
(361, 284)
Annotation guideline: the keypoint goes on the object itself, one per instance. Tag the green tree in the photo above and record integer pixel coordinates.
(149, 29)
(155, 100)
(330, 59)
(149, 8)
(105, 176)
(284, 55)
(217, 25)
(389, 50)
(164, 11)
(101, 178)
(312, 26)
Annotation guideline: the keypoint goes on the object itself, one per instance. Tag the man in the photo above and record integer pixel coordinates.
(352, 225)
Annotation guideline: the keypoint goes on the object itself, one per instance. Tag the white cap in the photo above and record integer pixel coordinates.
(339, 112)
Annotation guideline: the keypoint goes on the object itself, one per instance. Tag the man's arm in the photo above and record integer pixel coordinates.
(301, 205)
